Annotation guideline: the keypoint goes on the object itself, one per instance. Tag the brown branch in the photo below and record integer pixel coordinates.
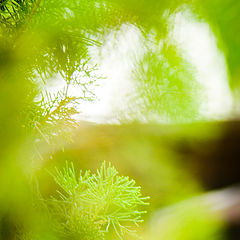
(29, 19)
(63, 102)
(34, 10)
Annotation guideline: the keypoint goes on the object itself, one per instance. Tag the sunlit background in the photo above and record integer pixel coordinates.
(116, 63)
(143, 89)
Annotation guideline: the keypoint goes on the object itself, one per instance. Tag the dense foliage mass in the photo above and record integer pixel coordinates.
(98, 201)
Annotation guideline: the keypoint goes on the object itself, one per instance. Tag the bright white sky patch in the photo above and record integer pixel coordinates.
(116, 61)
(199, 44)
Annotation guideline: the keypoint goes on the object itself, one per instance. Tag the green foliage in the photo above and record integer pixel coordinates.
(96, 203)
(42, 40)
(223, 17)
(55, 112)
(187, 220)
(13, 13)
(166, 85)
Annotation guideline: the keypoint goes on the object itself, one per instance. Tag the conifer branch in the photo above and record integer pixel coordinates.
(108, 200)
(29, 19)
(34, 10)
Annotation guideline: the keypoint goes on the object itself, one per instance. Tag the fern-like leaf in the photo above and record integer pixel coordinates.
(108, 200)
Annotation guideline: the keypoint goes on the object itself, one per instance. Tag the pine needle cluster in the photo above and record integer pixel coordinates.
(59, 111)
(97, 203)
(14, 13)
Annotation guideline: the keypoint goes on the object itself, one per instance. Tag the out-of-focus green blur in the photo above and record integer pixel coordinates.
(177, 163)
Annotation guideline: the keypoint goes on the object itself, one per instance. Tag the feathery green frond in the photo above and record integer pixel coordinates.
(107, 199)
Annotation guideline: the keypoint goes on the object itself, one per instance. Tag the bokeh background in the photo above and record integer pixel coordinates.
(150, 86)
